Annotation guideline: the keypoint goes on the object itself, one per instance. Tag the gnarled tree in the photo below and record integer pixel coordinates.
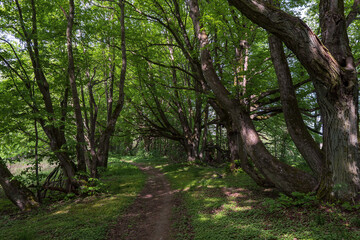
(331, 66)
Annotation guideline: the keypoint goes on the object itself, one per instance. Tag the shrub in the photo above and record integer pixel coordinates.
(92, 187)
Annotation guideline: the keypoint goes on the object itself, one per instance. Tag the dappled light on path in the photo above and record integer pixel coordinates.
(150, 215)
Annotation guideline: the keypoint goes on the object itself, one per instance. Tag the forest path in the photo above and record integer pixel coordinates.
(149, 217)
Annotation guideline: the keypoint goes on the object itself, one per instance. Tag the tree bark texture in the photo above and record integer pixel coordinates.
(22, 197)
(238, 152)
(340, 105)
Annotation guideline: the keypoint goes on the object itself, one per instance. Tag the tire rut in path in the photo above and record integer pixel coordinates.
(149, 217)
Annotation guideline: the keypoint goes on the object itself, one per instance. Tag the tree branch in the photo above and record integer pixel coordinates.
(353, 13)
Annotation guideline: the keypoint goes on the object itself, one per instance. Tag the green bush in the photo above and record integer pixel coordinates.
(92, 187)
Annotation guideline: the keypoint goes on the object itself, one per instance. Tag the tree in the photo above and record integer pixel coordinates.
(284, 177)
(25, 26)
(331, 66)
(80, 138)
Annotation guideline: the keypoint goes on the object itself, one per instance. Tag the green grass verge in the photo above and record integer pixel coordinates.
(87, 218)
(233, 207)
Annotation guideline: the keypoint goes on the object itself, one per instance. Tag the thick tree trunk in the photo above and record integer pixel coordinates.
(331, 66)
(22, 197)
(234, 145)
(238, 152)
(103, 150)
(339, 105)
(191, 152)
(340, 134)
(284, 177)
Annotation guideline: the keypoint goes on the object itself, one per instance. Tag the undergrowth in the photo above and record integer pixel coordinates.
(77, 218)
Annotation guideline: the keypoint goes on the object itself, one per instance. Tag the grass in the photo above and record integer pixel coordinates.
(210, 204)
(81, 218)
(234, 207)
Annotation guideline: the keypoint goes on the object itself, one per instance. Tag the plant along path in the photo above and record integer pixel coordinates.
(149, 217)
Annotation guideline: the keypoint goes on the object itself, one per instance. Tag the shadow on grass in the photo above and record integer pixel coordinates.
(234, 207)
(81, 218)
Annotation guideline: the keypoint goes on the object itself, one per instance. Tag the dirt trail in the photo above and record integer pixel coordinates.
(150, 215)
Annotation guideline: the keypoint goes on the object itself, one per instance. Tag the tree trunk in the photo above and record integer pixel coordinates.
(80, 138)
(48, 124)
(339, 106)
(18, 194)
(103, 150)
(294, 122)
(331, 66)
(38, 188)
(190, 151)
(238, 152)
(104, 141)
(340, 136)
(284, 177)
(205, 134)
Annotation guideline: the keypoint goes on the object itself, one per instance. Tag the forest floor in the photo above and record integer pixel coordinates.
(68, 217)
(159, 198)
(149, 217)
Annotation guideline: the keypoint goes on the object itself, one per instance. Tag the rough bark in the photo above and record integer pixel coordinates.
(339, 106)
(22, 197)
(238, 152)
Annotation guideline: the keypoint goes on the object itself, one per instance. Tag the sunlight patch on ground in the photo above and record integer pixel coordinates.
(62, 211)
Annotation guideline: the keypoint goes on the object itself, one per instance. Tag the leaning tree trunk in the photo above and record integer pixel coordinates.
(288, 179)
(238, 152)
(18, 194)
(237, 148)
(331, 66)
(297, 129)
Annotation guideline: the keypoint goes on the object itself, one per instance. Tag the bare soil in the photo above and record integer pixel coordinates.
(149, 217)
